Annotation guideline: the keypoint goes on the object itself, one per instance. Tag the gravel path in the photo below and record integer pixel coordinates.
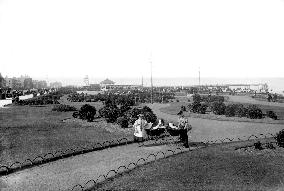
(66, 173)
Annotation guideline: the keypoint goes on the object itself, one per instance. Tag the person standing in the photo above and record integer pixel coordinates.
(183, 128)
(139, 128)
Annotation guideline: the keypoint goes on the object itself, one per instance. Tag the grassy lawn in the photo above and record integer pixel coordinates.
(174, 107)
(26, 132)
(218, 167)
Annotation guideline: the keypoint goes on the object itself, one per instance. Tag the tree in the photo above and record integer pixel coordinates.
(87, 112)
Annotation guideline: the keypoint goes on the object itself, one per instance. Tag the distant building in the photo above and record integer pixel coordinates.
(2, 81)
(39, 84)
(107, 84)
(55, 85)
(28, 83)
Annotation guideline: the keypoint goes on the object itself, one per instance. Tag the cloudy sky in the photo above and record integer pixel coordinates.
(117, 38)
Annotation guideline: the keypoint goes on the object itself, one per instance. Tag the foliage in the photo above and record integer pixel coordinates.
(110, 113)
(230, 110)
(218, 108)
(122, 121)
(271, 114)
(258, 145)
(183, 108)
(132, 115)
(213, 98)
(202, 108)
(63, 108)
(196, 98)
(41, 100)
(87, 112)
(254, 112)
(123, 98)
(280, 138)
(241, 111)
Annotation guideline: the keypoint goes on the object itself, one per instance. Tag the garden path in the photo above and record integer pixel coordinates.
(66, 173)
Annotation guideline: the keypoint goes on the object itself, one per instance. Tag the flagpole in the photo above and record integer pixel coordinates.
(151, 80)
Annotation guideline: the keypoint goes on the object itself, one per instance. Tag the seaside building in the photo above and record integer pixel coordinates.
(107, 84)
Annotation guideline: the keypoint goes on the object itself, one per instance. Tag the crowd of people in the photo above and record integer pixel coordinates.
(143, 129)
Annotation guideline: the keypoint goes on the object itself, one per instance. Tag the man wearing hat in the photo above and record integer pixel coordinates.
(183, 127)
(139, 128)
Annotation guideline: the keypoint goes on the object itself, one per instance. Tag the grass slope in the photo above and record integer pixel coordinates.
(26, 132)
(212, 168)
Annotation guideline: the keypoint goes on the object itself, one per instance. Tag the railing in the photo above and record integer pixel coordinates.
(91, 184)
(49, 157)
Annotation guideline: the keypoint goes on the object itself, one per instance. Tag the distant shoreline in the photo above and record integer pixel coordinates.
(276, 84)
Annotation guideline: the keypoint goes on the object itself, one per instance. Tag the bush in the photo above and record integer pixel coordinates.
(258, 145)
(202, 108)
(271, 114)
(132, 115)
(254, 112)
(196, 98)
(183, 108)
(280, 138)
(230, 110)
(110, 113)
(241, 111)
(63, 108)
(87, 112)
(218, 108)
(194, 107)
(123, 122)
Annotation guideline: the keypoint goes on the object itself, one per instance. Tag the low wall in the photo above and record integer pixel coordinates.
(26, 97)
(4, 102)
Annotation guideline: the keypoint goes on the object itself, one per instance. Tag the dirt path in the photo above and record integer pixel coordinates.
(66, 173)
(206, 129)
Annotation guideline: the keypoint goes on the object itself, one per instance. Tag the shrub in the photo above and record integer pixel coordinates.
(230, 110)
(123, 122)
(258, 145)
(150, 117)
(110, 113)
(87, 112)
(280, 138)
(63, 108)
(132, 115)
(254, 112)
(270, 146)
(183, 108)
(271, 114)
(241, 111)
(194, 107)
(123, 109)
(196, 98)
(202, 108)
(218, 108)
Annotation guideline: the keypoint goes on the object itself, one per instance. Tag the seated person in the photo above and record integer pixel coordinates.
(157, 130)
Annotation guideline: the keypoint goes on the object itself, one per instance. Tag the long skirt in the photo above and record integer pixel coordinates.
(138, 139)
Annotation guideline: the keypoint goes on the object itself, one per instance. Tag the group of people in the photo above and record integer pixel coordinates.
(142, 129)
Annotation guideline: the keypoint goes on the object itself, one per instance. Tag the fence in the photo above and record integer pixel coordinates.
(91, 184)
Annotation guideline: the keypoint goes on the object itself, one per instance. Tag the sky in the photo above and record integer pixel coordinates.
(120, 39)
